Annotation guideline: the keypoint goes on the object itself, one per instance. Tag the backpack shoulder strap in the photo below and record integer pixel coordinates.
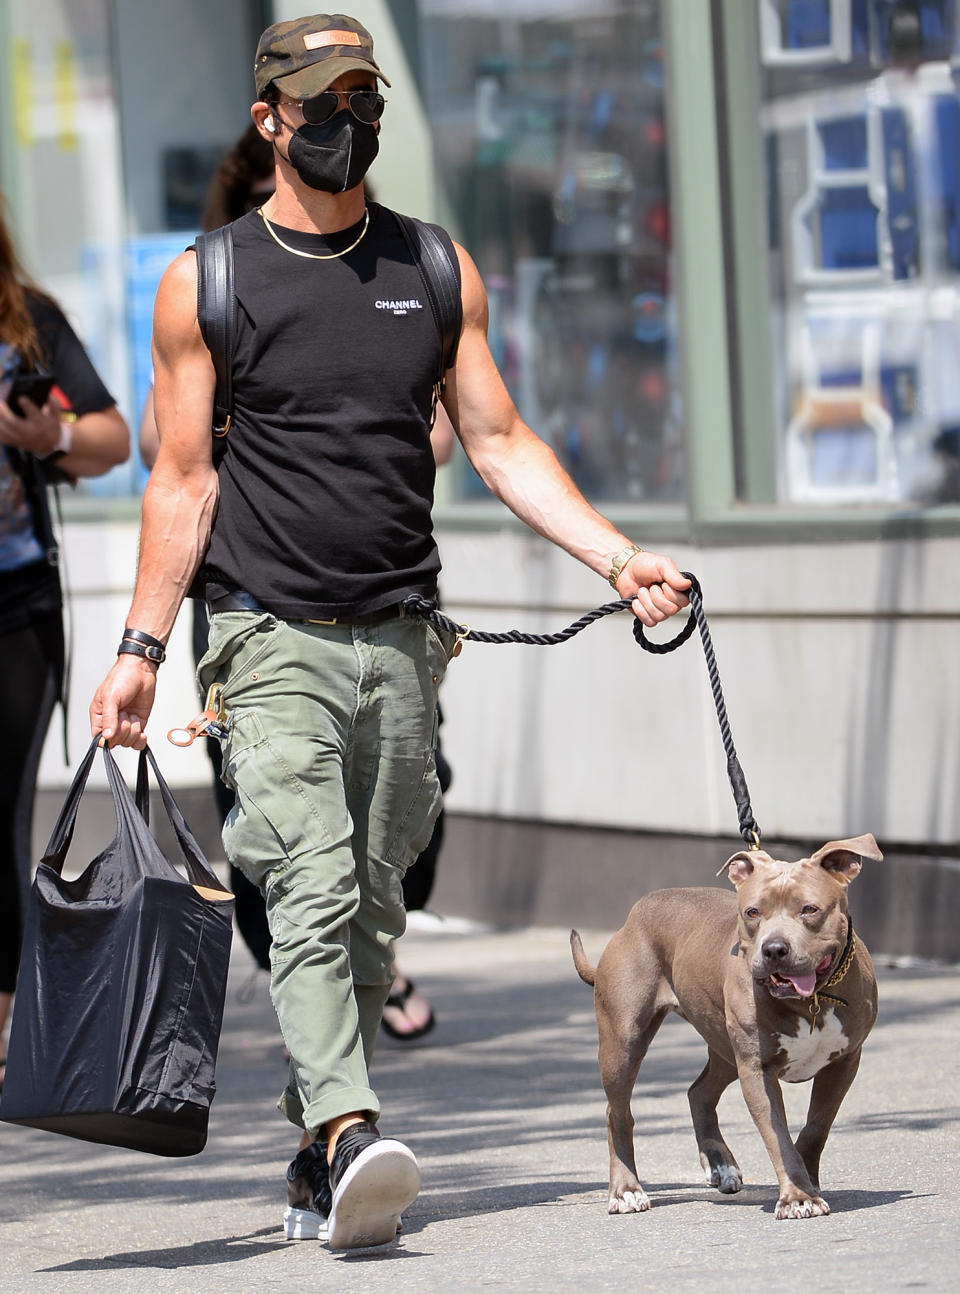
(441, 279)
(216, 315)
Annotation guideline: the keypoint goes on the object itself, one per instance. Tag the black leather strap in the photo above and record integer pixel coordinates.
(216, 315)
(441, 280)
(138, 636)
(155, 655)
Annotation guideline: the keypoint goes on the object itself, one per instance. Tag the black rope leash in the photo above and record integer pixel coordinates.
(749, 829)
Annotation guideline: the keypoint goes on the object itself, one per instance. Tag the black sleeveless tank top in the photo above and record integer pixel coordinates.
(326, 481)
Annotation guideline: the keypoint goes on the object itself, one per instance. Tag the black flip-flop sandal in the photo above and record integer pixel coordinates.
(398, 1000)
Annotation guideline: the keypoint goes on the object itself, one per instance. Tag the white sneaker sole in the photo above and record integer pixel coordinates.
(373, 1192)
(303, 1224)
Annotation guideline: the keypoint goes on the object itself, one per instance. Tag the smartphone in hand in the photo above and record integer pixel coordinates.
(35, 386)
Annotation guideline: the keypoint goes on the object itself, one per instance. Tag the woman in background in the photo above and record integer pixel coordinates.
(74, 432)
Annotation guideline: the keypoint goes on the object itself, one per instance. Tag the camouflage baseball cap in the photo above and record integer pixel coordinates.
(306, 55)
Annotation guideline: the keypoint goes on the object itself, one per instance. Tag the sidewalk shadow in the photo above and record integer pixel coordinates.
(200, 1254)
(205, 1253)
(762, 1198)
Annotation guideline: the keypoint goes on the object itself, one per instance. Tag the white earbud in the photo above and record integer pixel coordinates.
(270, 125)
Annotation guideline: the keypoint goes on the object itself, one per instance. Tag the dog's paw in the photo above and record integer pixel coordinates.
(629, 1202)
(801, 1206)
(725, 1177)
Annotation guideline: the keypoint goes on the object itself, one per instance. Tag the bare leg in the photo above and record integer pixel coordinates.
(406, 1012)
(338, 1125)
(333, 1129)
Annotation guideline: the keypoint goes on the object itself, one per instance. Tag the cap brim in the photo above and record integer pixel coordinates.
(320, 76)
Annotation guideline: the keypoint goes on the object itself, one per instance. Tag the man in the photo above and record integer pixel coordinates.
(312, 530)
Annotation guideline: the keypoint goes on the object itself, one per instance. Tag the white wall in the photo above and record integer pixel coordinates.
(840, 666)
(840, 669)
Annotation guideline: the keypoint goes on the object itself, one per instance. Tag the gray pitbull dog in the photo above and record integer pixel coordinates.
(755, 974)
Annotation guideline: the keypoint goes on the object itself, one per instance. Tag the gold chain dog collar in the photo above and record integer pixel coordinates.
(846, 961)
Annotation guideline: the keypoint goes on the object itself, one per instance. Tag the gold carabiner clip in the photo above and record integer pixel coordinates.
(214, 702)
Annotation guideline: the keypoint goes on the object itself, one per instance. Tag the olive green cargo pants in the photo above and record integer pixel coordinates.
(330, 752)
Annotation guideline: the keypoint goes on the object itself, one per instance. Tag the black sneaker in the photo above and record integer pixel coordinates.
(308, 1194)
(373, 1179)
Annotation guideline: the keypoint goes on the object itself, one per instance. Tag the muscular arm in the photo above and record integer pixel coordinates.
(526, 475)
(178, 504)
(149, 440)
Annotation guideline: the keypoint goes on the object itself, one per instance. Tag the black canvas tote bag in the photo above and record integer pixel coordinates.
(121, 986)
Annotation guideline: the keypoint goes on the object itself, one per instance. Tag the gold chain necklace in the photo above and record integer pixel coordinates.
(316, 256)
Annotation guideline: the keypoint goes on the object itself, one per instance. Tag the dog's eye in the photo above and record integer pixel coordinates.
(809, 910)
(751, 913)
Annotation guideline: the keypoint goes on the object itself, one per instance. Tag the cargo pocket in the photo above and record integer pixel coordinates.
(284, 830)
(415, 827)
(237, 642)
(264, 776)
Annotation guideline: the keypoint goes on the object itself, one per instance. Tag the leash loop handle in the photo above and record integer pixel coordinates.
(660, 649)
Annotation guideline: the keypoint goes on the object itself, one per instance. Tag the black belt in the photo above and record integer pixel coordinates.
(240, 600)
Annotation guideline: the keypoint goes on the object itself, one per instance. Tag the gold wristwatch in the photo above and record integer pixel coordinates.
(620, 561)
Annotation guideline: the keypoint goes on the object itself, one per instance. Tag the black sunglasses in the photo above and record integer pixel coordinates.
(366, 105)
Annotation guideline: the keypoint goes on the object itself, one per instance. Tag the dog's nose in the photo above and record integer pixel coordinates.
(775, 949)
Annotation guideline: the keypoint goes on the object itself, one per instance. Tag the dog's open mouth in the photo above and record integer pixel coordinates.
(796, 985)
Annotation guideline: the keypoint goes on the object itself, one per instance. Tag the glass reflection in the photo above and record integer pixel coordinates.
(550, 147)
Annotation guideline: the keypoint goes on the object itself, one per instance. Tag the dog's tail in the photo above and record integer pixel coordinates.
(586, 972)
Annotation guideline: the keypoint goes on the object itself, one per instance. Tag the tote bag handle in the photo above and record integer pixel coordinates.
(127, 809)
(193, 858)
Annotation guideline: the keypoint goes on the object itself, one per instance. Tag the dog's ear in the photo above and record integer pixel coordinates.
(740, 866)
(841, 858)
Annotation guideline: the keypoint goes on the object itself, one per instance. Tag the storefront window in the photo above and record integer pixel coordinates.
(112, 119)
(862, 125)
(548, 127)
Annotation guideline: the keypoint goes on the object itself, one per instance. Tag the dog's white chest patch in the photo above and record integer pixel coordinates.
(808, 1052)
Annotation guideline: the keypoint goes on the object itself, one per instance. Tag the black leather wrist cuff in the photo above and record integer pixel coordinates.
(156, 655)
(138, 636)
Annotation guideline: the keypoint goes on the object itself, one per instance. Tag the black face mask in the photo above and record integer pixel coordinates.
(336, 156)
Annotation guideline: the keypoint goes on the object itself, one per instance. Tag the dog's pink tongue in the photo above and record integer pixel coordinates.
(804, 984)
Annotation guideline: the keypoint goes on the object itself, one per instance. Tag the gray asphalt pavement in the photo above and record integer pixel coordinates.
(503, 1106)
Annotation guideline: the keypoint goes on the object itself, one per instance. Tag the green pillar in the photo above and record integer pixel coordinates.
(748, 281)
(697, 232)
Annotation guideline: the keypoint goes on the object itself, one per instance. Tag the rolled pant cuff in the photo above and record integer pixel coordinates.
(345, 1101)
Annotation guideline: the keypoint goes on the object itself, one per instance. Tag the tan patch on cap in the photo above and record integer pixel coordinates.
(317, 39)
